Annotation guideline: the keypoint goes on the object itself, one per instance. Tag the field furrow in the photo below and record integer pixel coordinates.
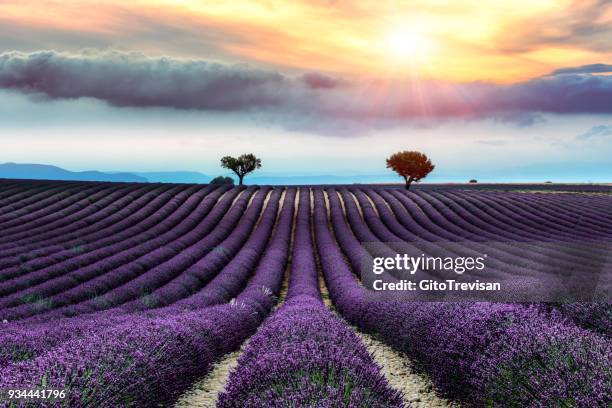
(133, 294)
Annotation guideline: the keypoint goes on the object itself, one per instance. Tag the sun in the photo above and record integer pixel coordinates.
(407, 44)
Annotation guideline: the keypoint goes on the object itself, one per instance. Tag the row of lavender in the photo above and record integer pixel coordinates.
(106, 276)
(220, 289)
(303, 355)
(514, 250)
(487, 354)
(50, 287)
(331, 367)
(212, 268)
(40, 250)
(37, 298)
(97, 357)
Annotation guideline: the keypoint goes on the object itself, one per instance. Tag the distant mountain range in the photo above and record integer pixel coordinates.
(49, 172)
(537, 174)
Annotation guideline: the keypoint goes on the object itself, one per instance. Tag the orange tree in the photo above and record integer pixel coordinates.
(412, 166)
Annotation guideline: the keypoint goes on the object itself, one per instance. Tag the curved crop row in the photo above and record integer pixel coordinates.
(126, 248)
(25, 341)
(28, 200)
(329, 365)
(506, 253)
(87, 235)
(101, 243)
(164, 352)
(488, 354)
(66, 202)
(94, 212)
(125, 294)
(166, 256)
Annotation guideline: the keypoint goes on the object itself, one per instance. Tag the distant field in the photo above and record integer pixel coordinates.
(127, 294)
(587, 188)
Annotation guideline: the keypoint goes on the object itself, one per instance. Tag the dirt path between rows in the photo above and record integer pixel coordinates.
(417, 389)
(204, 393)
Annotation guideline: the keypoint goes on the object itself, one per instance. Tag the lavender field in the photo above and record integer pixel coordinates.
(128, 294)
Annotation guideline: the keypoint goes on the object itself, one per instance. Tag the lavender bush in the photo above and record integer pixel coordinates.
(125, 294)
(486, 354)
(303, 355)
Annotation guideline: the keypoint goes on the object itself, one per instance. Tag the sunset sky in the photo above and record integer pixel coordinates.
(496, 90)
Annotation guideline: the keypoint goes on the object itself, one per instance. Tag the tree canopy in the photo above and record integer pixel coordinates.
(241, 165)
(411, 165)
(222, 180)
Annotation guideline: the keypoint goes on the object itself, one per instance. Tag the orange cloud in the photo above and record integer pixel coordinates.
(462, 40)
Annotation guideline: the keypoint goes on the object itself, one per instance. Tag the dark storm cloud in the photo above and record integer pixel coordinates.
(132, 79)
(127, 79)
(569, 93)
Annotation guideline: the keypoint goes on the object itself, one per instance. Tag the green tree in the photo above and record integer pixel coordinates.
(412, 166)
(241, 165)
(222, 180)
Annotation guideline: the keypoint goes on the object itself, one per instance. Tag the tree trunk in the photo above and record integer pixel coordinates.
(240, 180)
(408, 182)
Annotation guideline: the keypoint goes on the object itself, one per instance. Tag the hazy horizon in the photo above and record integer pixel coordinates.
(527, 175)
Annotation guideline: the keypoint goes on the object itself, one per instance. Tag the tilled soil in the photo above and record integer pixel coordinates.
(417, 389)
(205, 392)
